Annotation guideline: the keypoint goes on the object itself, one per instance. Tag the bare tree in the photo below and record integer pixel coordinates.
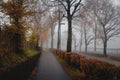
(79, 29)
(38, 19)
(86, 23)
(75, 43)
(59, 32)
(55, 7)
(94, 26)
(88, 37)
(52, 19)
(60, 16)
(108, 18)
(70, 7)
(86, 34)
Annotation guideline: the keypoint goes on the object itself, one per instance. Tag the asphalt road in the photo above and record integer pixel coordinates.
(50, 69)
(116, 63)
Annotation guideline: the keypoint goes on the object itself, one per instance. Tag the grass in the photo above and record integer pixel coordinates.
(29, 52)
(74, 73)
(13, 59)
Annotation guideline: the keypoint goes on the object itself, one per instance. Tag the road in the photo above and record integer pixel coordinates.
(116, 63)
(50, 69)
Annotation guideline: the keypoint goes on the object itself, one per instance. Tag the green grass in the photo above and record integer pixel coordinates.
(74, 73)
(29, 52)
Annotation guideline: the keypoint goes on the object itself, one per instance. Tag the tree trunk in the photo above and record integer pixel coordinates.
(18, 45)
(37, 44)
(105, 48)
(81, 39)
(86, 45)
(85, 37)
(80, 45)
(59, 38)
(85, 48)
(95, 40)
(69, 40)
(75, 45)
(95, 45)
(59, 33)
(52, 42)
(105, 42)
(52, 34)
(19, 38)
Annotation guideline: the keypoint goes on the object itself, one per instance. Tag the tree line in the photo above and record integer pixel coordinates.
(97, 21)
(14, 28)
(32, 22)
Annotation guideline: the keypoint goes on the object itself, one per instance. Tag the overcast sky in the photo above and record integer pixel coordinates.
(116, 2)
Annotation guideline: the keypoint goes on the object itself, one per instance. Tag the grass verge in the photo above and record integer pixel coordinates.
(13, 59)
(74, 73)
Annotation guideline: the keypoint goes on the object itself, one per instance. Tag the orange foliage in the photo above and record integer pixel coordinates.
(93, 68)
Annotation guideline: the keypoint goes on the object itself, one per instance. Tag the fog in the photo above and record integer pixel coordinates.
(112, 43)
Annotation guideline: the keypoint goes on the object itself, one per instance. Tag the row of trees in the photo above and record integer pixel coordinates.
(103, 18)
(13, 35)
(97, 20)
(16, 26)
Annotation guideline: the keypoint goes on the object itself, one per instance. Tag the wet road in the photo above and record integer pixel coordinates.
(50, 69)
(113, 62)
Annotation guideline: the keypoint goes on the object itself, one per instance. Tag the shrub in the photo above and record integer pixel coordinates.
(94, 69)
(75, 60)
(117, 73)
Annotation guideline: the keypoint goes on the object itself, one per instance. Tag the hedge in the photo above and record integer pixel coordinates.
(94, 69)
(21, 71)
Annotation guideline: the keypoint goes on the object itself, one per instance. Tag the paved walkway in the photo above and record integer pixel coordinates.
(50, 69)
(116, 63)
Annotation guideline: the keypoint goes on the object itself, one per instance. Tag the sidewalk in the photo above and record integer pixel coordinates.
(49, 68)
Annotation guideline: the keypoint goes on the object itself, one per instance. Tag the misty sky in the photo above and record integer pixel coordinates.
(116, 2)
(113, 43)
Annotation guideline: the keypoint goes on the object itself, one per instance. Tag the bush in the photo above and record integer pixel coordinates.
(21, 71)
(117, 73)
(94, 69)
(75, 60)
